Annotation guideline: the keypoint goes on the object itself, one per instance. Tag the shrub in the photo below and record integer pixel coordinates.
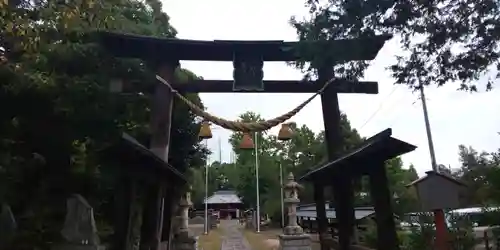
(422, 236)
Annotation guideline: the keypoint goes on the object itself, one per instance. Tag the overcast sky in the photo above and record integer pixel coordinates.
(456, 117)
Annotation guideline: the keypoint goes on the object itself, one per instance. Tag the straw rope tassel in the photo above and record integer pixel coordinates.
(243, 126)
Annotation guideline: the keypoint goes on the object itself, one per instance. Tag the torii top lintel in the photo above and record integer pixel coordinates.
(248, 58)
(135, 46)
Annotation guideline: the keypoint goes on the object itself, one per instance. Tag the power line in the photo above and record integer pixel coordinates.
(398, 116)
(400, 112)
(379, 107)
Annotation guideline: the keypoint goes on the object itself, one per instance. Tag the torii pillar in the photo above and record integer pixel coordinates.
(161, 122)
(342, 187)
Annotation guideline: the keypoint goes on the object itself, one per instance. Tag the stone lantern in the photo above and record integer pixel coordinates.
(293, 237)
(291, 201)
(183, 239)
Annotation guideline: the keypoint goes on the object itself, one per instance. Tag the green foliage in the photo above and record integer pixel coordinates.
(481, 173)
(442, 41)
(490, 217)
(369, 237)
(421, 235)
(461, 234)
(57, 114)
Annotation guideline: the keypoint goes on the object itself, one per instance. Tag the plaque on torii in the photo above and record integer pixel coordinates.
(248, 73)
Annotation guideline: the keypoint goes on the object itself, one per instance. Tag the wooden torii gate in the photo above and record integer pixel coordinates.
(248, 57)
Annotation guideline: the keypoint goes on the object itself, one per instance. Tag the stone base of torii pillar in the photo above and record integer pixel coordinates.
(293, 237)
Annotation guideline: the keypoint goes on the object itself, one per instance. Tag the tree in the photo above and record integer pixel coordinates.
(479, 171)
(412, 173)
(442, 41)
(405, 199)
(57, 115)
(443, 169)
(245, 162)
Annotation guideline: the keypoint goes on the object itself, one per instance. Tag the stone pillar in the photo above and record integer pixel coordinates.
(184, 240)
(293, 237)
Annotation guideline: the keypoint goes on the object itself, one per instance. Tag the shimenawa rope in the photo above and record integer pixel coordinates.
(243, 126)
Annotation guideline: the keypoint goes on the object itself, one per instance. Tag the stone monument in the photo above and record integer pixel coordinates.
(8, 225)
(79, 231)
(293, 237)
(183, 239)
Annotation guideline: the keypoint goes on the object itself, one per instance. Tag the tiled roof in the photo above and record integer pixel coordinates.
(330, 214)
(223, 197)
(310, 207)
(380, 145)
(308, 211)
(434, 173)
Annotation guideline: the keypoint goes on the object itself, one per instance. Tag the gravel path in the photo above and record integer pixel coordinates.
(233, 239)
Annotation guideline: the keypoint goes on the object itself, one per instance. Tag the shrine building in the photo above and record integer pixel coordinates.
(225, 204)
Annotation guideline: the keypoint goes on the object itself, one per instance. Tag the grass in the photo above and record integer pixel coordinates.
(211, 241)
(256, 240)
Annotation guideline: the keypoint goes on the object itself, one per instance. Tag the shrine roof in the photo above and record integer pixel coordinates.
(379, 147)
(223, 197)
(136, 156)
(147, 47)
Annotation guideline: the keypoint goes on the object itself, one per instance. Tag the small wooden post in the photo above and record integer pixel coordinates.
(441, 230)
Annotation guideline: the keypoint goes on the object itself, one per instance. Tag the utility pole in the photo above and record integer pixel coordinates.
(428, 130)
(281, 197)
(257, 179)
(206, 190)
(220, 151)
(439, 218)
